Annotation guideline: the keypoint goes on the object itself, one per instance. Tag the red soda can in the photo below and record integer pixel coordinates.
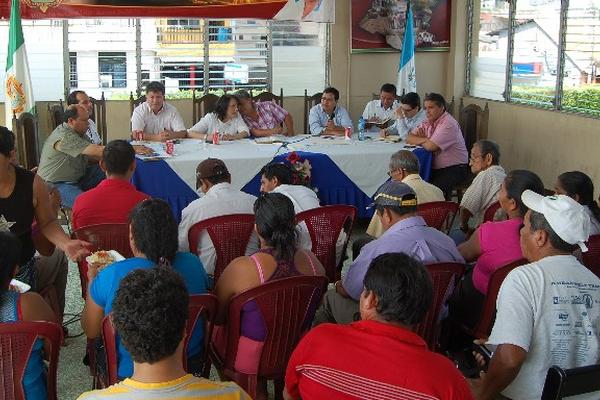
(170, 147)
(138, 135)
(347, 133)
(215, 137)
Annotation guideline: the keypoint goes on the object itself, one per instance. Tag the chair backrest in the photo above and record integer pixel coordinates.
(109, 337)
(490, 212)
(444, 277)
(451, 106)
(324, 227)
(473, 122)
(134, 102)
(483, 328)
(310, 102)
(561, 383)
(55, 114)
(591, 258)
(203, 309)
(230, 235)
(99, 116)
(16, 342)
(438, 214)
(25, 128)
(268, 96)
(203, 105)
(287, 306)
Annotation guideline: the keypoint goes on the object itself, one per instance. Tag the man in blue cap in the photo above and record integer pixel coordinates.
(404, 232)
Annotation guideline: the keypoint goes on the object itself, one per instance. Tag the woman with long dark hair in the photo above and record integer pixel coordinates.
(225, 120)
(153, 241)
(580, 187)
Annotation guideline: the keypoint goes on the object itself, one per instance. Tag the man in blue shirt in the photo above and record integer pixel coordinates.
(329, 118)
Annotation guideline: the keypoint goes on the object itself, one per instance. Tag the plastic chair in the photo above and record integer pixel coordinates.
(444, 277)
(591, 258)
(561, 383)
(16, 342)
(287, 306)
(490, 212)
(103, 237)
(201, 309)
(483, 328)
(230, 235)
(325, 224)
(437, 213)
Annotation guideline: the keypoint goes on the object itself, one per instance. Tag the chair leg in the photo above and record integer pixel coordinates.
(279, 385)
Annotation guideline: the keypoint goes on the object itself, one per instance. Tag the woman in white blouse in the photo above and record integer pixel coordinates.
(225, 120)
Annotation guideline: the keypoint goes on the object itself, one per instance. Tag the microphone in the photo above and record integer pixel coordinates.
(332, 115)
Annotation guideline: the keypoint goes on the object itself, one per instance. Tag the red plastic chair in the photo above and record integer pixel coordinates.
(437, 214)
(324, 227)
(16, 342)
(490, 212)
(230, 235)
(444, 277)
(483, 328)
(591, 258)
(103, 237)
(202, 306)
(287, 306)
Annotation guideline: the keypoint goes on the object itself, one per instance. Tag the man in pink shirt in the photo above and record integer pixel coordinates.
(264, 118)
(441, 135)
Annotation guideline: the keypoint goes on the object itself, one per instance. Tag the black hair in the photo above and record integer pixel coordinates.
(388, 88)
(436, 98)
(242, 94)
(520, 180)
(154, 230)
(71, 112)
(10, 254)
(155, 86)
(276, 224)
(402, 286)
(333, 91)
(72, 97)
(118, 156)
(222, 105)
(489, 147)
(538, 222)
(7, 141)
(578, 183)
(412, 99)
(149, 312)
(281, 171)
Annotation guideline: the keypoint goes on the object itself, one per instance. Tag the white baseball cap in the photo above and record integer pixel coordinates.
(567, 218)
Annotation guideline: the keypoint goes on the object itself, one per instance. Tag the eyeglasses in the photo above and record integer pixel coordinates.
(392, 172)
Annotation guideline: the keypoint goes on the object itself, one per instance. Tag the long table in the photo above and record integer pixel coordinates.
(343, 171)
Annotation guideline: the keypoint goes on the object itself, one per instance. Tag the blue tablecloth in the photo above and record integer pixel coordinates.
(157, 179)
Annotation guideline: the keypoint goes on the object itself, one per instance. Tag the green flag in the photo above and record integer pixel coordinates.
(19, 93)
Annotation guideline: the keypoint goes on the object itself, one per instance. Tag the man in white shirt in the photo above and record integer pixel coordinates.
(548, 310)
(220, 198)
(156, 120)
(382, 109)
(277, 178)
(408, 115)
(81, 98)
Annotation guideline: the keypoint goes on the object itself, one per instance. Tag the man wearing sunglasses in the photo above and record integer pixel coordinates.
(408, 116)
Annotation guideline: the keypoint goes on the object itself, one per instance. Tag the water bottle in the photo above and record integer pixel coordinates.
(361, 129)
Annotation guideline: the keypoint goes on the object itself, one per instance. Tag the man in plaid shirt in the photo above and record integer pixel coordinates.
(264, 118)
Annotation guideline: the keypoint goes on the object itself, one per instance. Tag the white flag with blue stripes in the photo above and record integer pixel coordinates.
(407, 77)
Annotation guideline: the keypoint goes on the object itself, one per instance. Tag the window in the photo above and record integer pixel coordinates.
(112, 70)
(554, 53)
(73, 70)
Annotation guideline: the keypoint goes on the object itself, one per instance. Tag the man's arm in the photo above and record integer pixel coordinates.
(316, 128)
(93, 151)
(503, 369)
(471, 249)
(422, 141)
(289, 125)
(465, 216)
(265, 132)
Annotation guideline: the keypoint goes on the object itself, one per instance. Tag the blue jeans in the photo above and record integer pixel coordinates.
(69, 191)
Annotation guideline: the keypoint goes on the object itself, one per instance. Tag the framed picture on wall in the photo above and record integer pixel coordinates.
(378, 25)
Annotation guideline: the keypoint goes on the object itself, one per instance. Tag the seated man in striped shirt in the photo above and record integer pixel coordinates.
(380, 356)
(264, 118)
(149, 313)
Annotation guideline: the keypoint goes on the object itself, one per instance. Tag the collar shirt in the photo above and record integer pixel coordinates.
(317, 119)
(62, 158)
(211, 123)
(375, 109)
(92, 132)
(370, 360)
(168, 117)
(270, 115)
(551, 309)
(483, 191)
(446, 134)
(404, 126)
(221, 199)
(411, 236)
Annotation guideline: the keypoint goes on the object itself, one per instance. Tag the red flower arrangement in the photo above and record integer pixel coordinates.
(301, 173)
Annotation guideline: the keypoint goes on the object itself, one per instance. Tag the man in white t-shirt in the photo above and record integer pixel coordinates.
(156, 120)
(80, 97)
(548, 310)
(220, 198)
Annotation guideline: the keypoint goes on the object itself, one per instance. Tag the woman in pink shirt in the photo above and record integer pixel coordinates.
(492, 245)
